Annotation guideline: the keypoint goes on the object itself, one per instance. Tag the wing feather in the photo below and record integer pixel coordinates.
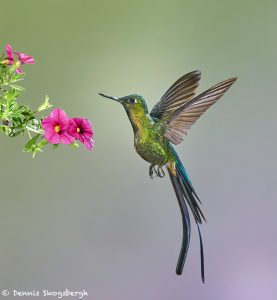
(177, 124)
(179, 93)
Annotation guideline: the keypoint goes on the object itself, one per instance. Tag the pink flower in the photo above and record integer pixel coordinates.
(22, 58)
(9, 54)
(25, 59)
(56, 127)
(81, 129)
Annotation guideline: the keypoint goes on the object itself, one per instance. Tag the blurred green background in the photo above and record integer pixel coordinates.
(95, 221)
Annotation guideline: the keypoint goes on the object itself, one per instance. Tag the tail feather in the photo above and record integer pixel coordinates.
(202, 255)
(184, 175)
(189, 196)
(186, 224)
(185, 193)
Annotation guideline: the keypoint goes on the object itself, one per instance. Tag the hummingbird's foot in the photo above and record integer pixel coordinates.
(156, 171)
(152, 170)
(160, 172)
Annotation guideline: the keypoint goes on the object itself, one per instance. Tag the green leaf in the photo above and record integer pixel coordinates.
(75, 145)
(13, 68)
(32, 147)
(10, 96)
(31, 142)
(26, 114)
(35, 151)
(5, 129)
(38, 147)
(16, 133)
(45, 104)
(17, 87)
(17, 77)
(42, 143)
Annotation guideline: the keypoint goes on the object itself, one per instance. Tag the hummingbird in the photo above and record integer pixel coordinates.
(156, 132)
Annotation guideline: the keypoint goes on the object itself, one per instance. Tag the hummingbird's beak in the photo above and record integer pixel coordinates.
(110, 97)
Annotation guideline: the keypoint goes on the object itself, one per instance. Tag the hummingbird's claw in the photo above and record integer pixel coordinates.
(151, 172)
(160, 172)
(156, 171)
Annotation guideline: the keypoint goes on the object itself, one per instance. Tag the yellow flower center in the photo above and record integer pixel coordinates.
(78, 129)
(57, 128)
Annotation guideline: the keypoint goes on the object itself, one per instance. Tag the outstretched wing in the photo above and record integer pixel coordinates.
(179, 93)
(177, 124)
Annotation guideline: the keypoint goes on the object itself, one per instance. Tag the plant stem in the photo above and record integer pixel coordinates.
(34, 130)
(29, 134)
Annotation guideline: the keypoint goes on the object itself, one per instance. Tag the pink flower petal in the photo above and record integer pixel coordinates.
(73, 121)
(25, 59)
(18, 71)
(52, 137)
(9, 53)
(87, 127)
(66, 138)
(48, 122)
(76, 121)
(89, 143)
(80, 137)
(59, 116)
(87, 133)
(9, 50)
(72, 129)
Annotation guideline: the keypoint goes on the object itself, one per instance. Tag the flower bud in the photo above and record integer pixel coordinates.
(5, 61)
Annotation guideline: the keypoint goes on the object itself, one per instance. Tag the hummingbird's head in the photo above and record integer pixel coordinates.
(132, 103)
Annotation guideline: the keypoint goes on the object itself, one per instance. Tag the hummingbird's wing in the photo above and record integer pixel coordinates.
(179, 93)
(176, 124)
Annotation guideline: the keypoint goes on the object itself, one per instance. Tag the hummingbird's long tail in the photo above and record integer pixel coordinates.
(186, 194)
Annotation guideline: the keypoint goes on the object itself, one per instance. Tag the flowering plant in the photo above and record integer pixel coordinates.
(18, 119)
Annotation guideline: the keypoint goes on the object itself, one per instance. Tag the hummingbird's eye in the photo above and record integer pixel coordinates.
(132, 101)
